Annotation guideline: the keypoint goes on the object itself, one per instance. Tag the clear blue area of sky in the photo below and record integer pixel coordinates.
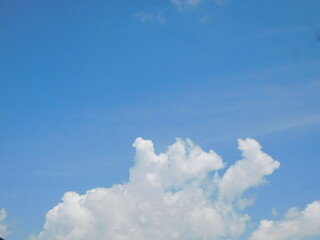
(80, 80)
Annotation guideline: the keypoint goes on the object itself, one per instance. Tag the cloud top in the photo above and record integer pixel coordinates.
(248, 172)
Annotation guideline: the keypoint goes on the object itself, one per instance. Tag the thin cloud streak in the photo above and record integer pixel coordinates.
(147, 17)
(185, 4)
(301, 123)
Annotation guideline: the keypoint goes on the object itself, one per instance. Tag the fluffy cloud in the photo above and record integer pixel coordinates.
(3, 227)
(173, 195)
(248, 172)
(295, 225)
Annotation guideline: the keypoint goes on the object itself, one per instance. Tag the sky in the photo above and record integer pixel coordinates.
(121, 116)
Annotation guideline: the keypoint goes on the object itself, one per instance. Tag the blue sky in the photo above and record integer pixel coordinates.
(81, 80)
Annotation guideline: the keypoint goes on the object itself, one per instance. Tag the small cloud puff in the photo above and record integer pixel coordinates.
(3, 227)
(146, 17)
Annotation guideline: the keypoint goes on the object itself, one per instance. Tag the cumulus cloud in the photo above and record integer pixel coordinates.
(178, 195)
(248, 172)
(3, 227)
(295, 225)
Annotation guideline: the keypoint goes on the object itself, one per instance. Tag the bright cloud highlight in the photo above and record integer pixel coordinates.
(178, 195)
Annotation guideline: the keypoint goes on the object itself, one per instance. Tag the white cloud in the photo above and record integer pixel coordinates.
(3, 227)
(150, 17)
(173, 195)
(248, 172)
(295, 225)
(177, 195)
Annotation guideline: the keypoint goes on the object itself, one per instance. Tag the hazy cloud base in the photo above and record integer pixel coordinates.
(180, 195)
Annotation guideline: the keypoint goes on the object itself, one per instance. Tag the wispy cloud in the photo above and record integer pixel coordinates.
(146, 17)
(185, 4)
(291, 124)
